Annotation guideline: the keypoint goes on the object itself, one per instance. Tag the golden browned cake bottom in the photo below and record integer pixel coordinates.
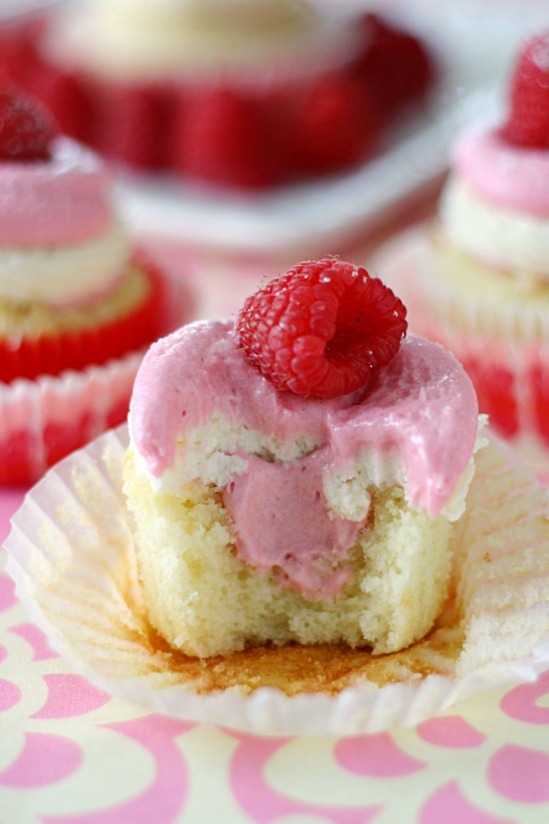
(296, 668)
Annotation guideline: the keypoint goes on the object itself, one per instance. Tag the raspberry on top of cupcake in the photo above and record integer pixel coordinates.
(295, 476)
(73, 292)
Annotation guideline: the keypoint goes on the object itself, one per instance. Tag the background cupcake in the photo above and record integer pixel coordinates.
(74, 293)
(484, 286)
(239, 93)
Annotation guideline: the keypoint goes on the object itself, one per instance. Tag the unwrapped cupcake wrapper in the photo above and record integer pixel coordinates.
(72, 555)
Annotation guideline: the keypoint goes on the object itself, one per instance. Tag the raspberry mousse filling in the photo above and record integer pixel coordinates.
(409, 417)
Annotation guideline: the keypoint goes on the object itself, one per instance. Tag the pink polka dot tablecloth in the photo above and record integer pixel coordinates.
(69, 752)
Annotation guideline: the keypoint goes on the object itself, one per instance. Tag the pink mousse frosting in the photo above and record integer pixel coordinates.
(512, 177)
(422, 407)
(64, 200)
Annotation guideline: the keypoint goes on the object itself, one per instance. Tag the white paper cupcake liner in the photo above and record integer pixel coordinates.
(425, 267)
(480, 299)
(71, 553)
(43, 420)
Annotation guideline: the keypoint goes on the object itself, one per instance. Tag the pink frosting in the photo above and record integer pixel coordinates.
(512, 177)
(64, 200)
(422, 407)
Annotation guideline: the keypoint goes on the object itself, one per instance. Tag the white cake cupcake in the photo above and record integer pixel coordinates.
(296, 477)
(299, 533)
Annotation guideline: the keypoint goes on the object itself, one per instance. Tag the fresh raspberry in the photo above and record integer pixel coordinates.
(528, 122)
(322, 329)
(26, 127)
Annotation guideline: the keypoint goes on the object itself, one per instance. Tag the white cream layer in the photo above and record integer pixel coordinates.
(146, 39)
(64, 274)
(515, 242)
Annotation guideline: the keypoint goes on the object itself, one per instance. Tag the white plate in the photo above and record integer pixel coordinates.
(314, 214)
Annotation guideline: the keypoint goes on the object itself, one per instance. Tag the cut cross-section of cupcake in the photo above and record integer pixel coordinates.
(265, 515)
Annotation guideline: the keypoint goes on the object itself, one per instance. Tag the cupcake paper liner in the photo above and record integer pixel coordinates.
(504, 347)
(72, 554)
(45, 419)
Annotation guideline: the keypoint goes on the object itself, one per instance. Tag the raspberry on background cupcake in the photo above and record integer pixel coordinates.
(483, 285)
(242, 94)
(74, 293)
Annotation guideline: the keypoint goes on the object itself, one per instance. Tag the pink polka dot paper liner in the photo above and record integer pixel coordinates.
(71, 554)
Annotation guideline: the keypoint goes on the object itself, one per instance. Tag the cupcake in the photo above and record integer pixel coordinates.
(295, 477)
(244, 94)
(74, 293)
(485, 272)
